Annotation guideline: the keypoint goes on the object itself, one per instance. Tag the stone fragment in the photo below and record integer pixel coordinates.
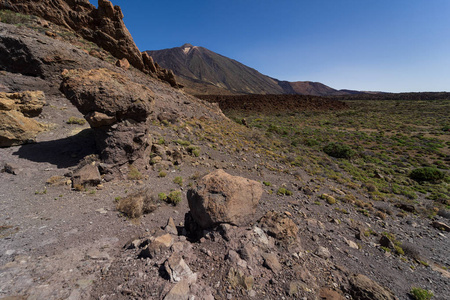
(271, 262)
(327, 294)
(10, 168)
(171, 227)
(260, 236)
(323, 252)
(166, 240)
(441, 226)
(123, 63)
(179, 291)
(87, 175)
(238, 278)
(279, 226)
(351, 244)
(178, 270)
(223, 198)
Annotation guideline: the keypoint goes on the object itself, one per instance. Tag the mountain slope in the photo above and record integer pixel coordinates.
(203, 71)
(200, 65)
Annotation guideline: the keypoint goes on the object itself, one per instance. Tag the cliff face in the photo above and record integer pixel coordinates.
(103, 26)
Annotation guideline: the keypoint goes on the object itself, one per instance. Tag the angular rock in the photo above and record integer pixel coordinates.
(171, 227)
(271, 262)
(178, 270)
(238, 278)
(327, 294)
(179, 291)
(87, 175)
(323, 252)
(223, 198)
(279, 226)
(363, 287)
(123, 63)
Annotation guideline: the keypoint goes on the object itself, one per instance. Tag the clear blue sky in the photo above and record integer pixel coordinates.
(376, 45)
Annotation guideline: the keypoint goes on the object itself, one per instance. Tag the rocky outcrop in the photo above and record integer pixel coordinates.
(223, 198)
(362, 287)
(117, 109)
(103, 25)
(16, 127)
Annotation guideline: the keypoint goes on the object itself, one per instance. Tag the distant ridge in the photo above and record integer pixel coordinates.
(203, 71)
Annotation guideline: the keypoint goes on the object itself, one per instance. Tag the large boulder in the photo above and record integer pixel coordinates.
(16, 128)
(117, 109)
(107, 92)
(223, 198)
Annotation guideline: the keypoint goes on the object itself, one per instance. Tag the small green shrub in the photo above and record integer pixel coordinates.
(162, 196)
(421, 294)
(182, 142)
(193, 150)
(178, 180)
(162, 174)
(427, 174)
(284, 192)
(339, 150)
(266, 183)
(133, 173)
(330, 199)
(174, 197)
(76, 121)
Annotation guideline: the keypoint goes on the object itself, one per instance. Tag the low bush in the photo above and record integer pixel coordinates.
(174, 197)
(421, 294)
(283, 191)
(427, 174)
(339, 150)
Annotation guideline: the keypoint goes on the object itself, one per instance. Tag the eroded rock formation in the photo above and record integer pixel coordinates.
(103, 25)
(117, 109)
(16, 109)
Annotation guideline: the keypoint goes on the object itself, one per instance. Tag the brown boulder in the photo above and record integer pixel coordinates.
(279, 226)
(123, 63)
(88, 175)
(365, 288)
(108, 92)
(223, 198)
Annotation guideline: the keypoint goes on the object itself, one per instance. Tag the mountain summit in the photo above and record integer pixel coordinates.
(203, 71)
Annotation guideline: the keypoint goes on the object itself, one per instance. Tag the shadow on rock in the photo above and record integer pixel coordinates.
(63, 153)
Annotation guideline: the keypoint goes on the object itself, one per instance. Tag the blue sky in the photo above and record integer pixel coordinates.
(376, 45)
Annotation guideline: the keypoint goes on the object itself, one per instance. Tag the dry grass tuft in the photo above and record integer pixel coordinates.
(137, 204)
